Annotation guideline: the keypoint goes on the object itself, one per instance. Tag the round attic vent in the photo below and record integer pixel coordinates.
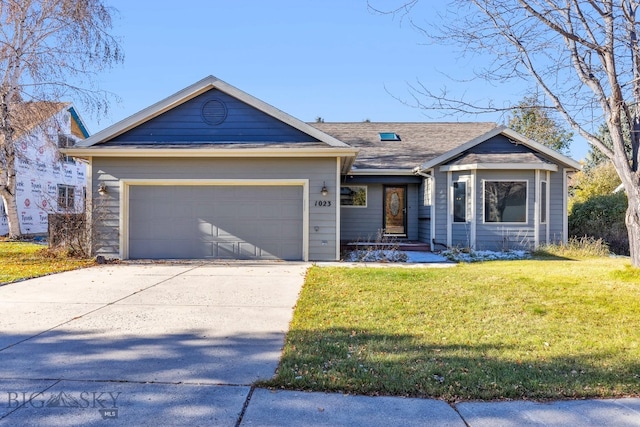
(214, 112)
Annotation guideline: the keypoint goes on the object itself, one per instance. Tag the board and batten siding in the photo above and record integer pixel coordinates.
(364, 224)
(186, 124)
(319, 171)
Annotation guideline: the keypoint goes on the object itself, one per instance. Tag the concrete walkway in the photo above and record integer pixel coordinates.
(182, 344)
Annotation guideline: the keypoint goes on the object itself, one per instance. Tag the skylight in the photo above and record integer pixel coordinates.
(389, 136)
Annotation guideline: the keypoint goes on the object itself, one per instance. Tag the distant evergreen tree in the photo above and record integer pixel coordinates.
(536, 122)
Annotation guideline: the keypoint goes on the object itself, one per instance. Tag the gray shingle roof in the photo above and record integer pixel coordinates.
(419, 143)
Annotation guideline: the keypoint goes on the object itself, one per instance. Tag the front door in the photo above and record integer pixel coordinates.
(395, 210)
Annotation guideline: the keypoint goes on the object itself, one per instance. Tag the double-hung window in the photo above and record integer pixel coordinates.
(66, 197)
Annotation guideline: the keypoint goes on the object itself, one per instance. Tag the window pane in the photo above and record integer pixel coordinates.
(460, 201)
(505, 201)
(66, 197)
(427, 192)
(71, 198)
(543, 202)
(62, 197)
(353, 196)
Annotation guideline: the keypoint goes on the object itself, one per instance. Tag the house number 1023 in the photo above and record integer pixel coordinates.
(323, 203)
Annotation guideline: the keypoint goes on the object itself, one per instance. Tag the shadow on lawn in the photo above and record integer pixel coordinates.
(375, 364)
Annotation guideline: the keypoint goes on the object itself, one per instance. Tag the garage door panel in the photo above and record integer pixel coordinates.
(262, 222)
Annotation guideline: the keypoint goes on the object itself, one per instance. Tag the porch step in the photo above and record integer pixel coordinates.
(401, 245)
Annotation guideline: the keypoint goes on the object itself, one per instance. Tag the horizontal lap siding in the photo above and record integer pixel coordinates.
(184, 123)
(556, 207)
(439, 213)
(364, 224)
(413, 206)
(424, 216)
(322, 244)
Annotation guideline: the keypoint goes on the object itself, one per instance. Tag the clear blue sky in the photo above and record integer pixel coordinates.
(331, 58)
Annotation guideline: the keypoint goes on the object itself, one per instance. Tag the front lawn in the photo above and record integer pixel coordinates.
(21, 260)
(540, 329)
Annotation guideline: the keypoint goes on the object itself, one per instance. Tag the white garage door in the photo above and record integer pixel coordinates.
(224, 222)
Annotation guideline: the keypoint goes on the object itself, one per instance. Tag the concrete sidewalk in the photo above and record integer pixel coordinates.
(182, 344)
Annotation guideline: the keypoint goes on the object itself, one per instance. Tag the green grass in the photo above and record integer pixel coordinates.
(21, 260)
(497, 330)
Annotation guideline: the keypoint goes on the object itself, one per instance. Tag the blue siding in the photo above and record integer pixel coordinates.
(499, 144)
(185, 124)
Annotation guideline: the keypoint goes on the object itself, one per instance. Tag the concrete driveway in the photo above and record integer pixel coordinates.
(150, 344)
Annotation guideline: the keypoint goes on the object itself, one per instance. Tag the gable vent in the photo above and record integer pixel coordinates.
(389, 136)
(214, 112)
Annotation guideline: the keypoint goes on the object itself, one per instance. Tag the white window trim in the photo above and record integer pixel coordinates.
(548, 234)
(468, 202)
(427, 191)
(546, 196)
(366, 196)
(484, 219)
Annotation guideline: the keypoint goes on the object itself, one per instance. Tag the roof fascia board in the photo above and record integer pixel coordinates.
(493, 166)
(79, 121)
(381, 172)
(149, 112)
(191, 92)
(207, 152)
(568, 161)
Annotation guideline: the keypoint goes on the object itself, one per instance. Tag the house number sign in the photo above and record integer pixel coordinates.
(323, 203)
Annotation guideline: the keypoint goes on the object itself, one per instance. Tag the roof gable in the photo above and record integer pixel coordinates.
(213, 117)
(210, 111)
(499, 146)
(27, 116)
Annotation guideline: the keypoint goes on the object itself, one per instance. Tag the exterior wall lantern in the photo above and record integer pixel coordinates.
(102, 189)
(324, 190)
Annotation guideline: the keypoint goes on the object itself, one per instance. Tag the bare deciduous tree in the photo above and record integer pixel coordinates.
(50, 50)
(584, 55)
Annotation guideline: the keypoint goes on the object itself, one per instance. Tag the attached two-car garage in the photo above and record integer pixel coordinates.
(220, 220)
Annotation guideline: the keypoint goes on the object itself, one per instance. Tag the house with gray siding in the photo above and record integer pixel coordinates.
(213, 172)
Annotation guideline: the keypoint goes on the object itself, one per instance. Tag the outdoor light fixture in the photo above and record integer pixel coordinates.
(102, 189)
(324, 190)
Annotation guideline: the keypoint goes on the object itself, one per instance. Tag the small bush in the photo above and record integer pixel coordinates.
(602, 217)
(384, 249)
(576, 247)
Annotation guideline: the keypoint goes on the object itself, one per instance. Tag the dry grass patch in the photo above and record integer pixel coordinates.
(21, 260)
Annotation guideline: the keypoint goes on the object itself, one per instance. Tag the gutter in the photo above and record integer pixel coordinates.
(418, 171)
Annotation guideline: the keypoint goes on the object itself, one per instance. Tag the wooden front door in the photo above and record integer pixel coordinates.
(395, 210)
